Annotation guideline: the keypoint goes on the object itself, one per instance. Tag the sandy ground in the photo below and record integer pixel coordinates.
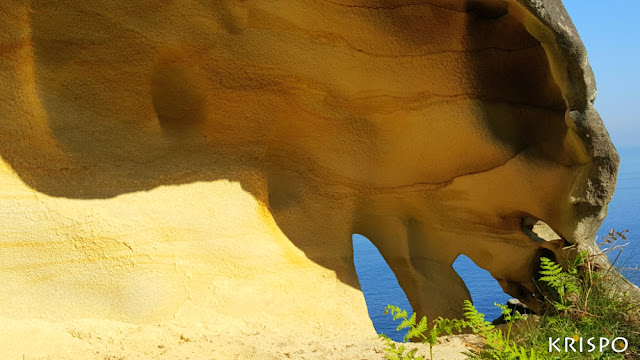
(106, 340)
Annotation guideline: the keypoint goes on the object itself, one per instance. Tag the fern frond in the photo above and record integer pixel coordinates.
(549, 267)
(391, 308)
(411, 355)
(475, 319)
(400, 315)
(411, 322)
(422, 325)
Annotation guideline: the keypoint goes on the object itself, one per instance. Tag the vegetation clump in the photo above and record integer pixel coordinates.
(583, 313)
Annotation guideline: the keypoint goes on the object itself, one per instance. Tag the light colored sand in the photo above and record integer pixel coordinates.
(106, 340)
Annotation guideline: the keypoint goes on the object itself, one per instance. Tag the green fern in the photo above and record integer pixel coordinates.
(509, 316)
(394, 352)
(562, 282)
(496, 345)
(476, 320)
(417, 330)
(420, 330)
(585, 307)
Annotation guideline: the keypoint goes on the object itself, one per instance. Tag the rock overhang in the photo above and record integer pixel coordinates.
(434, 128)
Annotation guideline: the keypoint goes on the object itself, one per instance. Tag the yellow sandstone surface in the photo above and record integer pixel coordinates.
(203, 164)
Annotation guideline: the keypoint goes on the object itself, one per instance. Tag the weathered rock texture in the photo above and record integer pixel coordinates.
(208, 161)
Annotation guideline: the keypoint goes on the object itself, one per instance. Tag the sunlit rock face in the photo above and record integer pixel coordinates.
(209, 161)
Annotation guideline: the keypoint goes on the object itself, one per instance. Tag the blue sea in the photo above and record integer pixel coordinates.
(380, 286)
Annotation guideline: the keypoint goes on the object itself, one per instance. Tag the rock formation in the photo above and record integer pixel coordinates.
(208, 162)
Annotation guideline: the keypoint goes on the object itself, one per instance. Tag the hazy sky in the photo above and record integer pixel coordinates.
(610, 29)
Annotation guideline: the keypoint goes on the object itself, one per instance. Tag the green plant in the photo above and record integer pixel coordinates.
(563, 282)
(585, 305)
(394, 352)
(588, 304)
(496, 345)
(510, 316)
(418, 330)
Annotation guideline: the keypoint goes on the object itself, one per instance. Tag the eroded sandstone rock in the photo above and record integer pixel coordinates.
(209, 161)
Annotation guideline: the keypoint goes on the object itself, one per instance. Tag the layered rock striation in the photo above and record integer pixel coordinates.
(201, 161)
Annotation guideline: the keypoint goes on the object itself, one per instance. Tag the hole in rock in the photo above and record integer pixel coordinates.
(484, 289)
(538, 230)
(379, 286)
